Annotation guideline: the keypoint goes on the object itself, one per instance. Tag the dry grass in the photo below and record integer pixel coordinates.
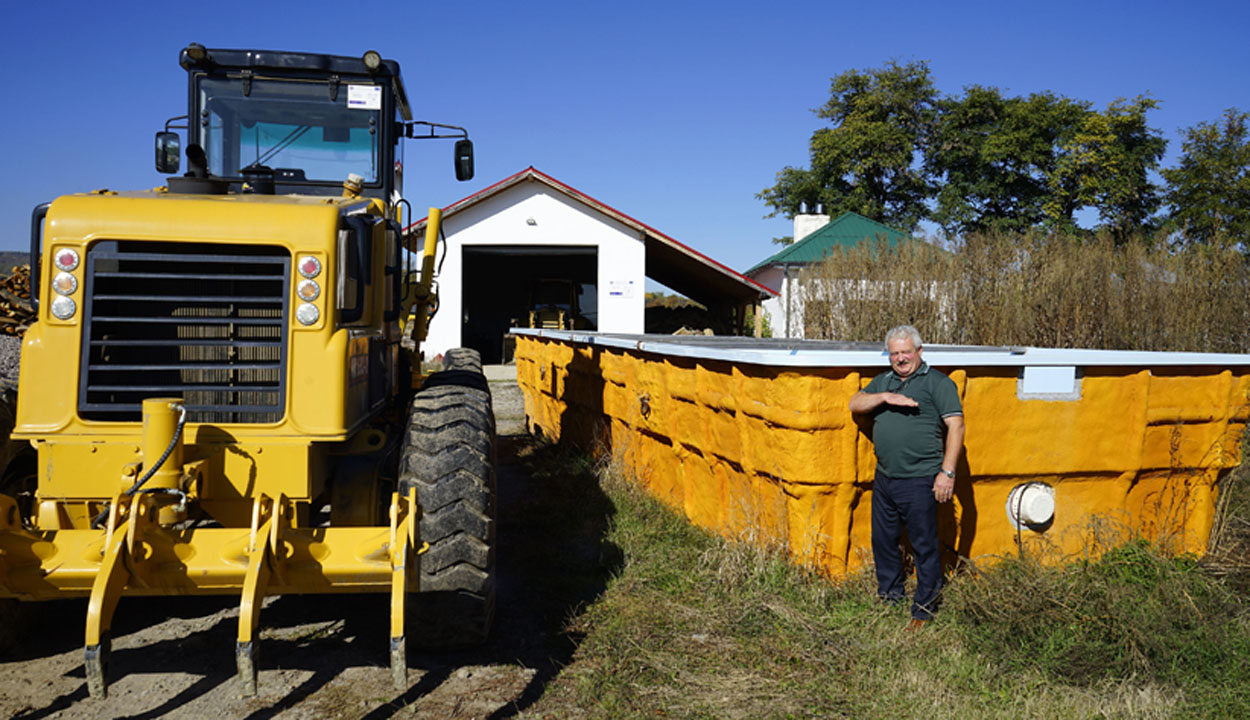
(1037, 290)
(1228, 548)
(697, 626)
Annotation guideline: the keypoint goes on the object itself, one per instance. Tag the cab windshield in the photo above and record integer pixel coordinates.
(293, 127)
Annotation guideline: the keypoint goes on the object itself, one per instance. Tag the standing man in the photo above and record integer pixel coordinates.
(912, 407)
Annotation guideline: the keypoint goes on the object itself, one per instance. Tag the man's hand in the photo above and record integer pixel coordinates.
(898, 399)
(862, 402)
(943, 487)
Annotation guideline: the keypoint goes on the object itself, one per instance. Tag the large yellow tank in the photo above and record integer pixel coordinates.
(1067, 451)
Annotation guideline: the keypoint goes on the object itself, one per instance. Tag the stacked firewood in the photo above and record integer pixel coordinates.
(16, 313)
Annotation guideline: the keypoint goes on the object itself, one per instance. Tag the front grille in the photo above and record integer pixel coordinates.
(200, 321)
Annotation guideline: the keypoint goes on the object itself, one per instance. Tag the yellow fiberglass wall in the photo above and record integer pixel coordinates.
(773, 455)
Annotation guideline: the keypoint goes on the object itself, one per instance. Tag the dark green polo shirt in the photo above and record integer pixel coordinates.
(910, 441)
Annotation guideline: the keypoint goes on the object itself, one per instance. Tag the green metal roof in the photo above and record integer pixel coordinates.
(847, 230)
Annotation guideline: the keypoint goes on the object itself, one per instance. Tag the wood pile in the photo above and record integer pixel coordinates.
(16, 313)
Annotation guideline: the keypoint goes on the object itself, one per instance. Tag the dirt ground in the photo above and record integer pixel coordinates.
(326, 656)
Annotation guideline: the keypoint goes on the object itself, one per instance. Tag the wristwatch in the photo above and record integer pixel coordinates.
(948, 473)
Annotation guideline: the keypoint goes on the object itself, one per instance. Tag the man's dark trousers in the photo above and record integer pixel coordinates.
(899, 502)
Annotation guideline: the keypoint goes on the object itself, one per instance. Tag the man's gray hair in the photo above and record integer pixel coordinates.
(901, 332)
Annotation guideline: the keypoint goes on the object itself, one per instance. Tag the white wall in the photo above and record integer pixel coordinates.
(789, 293)
(775, 308)
(557, 220)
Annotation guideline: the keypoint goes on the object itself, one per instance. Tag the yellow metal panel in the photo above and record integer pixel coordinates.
(49, 360)
(51, 348)
(207, 561)
(74, 468)
(311, 358)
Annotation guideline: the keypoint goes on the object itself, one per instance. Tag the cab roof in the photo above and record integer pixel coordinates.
(296, 64)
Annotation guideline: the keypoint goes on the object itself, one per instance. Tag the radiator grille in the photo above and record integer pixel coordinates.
(203, 322)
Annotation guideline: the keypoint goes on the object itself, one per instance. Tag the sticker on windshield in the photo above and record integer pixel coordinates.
(364, 97)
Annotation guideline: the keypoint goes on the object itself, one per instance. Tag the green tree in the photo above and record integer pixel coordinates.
(1208, 192)
(868, 160)
(992, 156)
(1106, 165)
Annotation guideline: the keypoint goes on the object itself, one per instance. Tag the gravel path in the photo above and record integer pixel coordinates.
(10, 355)
(507, 399)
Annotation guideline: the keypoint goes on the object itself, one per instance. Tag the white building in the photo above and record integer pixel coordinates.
(815, 236)
(530, 235)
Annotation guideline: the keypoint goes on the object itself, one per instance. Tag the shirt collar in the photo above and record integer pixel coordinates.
(924, 368)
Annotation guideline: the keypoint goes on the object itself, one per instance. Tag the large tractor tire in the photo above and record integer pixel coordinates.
(462, 359)
(17, 480)
(449, 458)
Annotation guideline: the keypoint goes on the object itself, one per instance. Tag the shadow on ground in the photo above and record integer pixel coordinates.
(552, 559)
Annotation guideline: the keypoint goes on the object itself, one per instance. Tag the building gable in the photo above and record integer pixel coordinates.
(846, 231)
(668, 261)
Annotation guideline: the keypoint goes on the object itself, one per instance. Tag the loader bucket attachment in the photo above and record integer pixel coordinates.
(132, 553)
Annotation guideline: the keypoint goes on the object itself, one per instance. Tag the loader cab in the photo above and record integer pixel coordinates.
(291, 123)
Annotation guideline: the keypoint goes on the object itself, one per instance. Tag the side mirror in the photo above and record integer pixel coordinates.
(168, 152)
(464, 159)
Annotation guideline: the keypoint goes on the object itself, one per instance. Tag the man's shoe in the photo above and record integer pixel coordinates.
(915, 624)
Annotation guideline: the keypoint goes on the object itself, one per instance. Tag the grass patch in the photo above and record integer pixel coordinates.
(693, 626)
(1131, 616)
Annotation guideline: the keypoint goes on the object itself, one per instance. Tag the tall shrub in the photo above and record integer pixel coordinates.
(1043, 290)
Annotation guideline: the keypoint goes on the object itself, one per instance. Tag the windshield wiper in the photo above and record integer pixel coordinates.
(283, 144)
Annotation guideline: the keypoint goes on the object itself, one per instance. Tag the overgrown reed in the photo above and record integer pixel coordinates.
(1037, 290)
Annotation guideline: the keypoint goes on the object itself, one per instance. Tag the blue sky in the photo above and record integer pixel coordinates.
(675, 113)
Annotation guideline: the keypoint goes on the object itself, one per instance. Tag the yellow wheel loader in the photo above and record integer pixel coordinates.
(217, 396)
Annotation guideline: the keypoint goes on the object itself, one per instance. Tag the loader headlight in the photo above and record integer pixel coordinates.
(66, 259)
(308, 290)
(373, 60)
(309, 266)
(307, 314)
(63, 308)
(64, 283)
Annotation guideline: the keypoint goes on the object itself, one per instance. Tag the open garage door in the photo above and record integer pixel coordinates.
(503, 284)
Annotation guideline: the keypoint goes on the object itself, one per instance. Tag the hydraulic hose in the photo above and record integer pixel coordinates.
(182, 420)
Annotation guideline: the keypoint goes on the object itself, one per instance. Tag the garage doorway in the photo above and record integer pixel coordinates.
(502, 283)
